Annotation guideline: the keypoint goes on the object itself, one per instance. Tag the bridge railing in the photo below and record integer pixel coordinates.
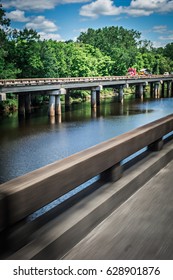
(24, 195)
(40, 81)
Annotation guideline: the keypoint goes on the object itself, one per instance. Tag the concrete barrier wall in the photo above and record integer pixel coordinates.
(28, 193)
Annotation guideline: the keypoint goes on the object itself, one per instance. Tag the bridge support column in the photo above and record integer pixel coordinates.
(121, 94)
(21, 104)
(2, 96)
(162, 89)
(98, 97)
(28, 104)
(67, 101)
(112, 174)
(55, 102)
(57, 105)
(168, 88)
(93, 113)
(151, 90)
(98, 89)
(93, 98)
(51, 111)
(156, 90)
(172, 89)
(139, 91)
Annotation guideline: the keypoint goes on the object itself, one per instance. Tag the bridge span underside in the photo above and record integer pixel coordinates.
(125, 214)
(25, 88)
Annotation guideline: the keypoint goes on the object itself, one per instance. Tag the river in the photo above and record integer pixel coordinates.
(28, 144)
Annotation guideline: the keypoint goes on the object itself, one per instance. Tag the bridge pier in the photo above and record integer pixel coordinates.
(139, 91)
(51, 111)
(67, 101)
(95, 96)
(57, 105)
(121, 94)
(162, 89)
(28, 104)
(168, 88)
(55, 102)
(21, 105)
(156, 90)
(24, 104)
(151, 90)
(98, 97)
(2, 96)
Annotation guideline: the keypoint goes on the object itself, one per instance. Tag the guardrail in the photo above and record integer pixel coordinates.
(42, 81)
(22, 196)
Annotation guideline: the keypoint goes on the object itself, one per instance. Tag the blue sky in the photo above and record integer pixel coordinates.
(65, 19)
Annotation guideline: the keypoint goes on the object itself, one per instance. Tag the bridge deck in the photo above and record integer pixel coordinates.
(141, 228)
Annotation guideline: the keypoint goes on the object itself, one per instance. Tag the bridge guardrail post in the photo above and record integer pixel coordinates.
(15, 236)
(156, 146)
(113, 173)
(3, 221)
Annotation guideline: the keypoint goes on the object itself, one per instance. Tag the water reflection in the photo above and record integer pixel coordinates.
(29, 143)
(55, 119)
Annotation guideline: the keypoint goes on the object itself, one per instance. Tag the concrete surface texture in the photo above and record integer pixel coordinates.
(141, 228)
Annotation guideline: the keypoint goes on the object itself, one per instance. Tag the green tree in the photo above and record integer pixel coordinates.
(116, 42)
(138, 62)
(145, 46)
(27, 53)
(168, 51)
(7, 67)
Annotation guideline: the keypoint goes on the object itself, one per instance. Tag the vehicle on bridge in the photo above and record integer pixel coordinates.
(144, 72)
(132, 71)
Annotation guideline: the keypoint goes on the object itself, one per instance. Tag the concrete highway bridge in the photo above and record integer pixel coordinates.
(125, 214)
(55, 87)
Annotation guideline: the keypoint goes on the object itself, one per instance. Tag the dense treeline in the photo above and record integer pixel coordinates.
(106, 51)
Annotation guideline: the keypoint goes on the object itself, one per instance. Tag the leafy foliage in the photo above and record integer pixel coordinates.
(101, 52)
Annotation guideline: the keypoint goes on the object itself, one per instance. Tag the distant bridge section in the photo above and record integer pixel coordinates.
(55, 87)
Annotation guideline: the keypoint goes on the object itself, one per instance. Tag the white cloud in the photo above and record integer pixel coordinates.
(37, 5)
(17, 16)
(158, 6)
(137, 12)
(160, 28)
(80, 30)
(147, 4)
(97, 7)
(158, 44)
(47, 36)
(100, 7)
(167, 37)
(136, 8)
(40, 23)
